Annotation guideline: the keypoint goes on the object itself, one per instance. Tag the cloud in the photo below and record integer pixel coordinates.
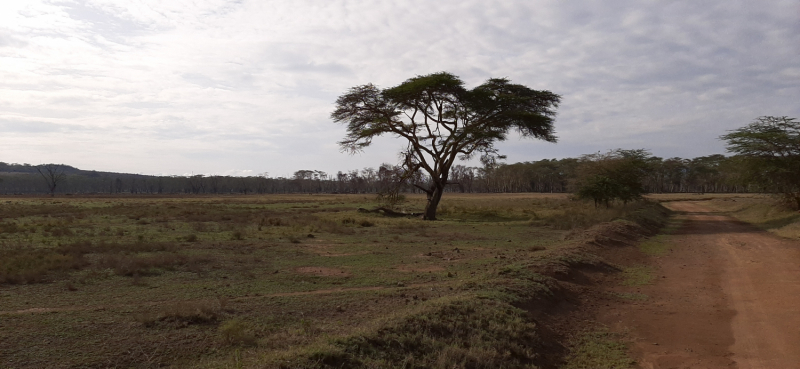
(20, 127)
(210, 85)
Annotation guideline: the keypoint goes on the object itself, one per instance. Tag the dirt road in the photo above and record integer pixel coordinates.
(726, 296)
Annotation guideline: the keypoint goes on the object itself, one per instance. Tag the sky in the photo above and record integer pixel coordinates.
(247, 87)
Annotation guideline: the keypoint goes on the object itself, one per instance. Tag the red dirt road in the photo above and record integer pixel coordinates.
(727, 296)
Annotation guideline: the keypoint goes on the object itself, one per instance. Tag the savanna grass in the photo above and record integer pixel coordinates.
(599, 349)
(312, 281)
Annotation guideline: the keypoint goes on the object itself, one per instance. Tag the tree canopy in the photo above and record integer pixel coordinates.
(770, 149)
(442, 121)
(616, 175)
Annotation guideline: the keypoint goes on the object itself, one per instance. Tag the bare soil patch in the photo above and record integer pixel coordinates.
(725, 295)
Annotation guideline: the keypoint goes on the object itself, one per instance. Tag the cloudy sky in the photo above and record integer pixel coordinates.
(246, 87)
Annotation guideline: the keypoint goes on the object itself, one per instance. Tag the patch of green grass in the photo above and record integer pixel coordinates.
(655, 246)
(632, 296)
(637, 276)
(598, 350)
(660, 244)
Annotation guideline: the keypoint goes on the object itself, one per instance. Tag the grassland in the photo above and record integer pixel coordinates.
(281, 281)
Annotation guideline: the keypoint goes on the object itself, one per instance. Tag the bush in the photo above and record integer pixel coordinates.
(234, 332)
(616, 175)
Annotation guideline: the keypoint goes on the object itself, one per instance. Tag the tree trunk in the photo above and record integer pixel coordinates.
(433, 202)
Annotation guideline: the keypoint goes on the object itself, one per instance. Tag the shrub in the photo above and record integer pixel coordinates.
(234, 332)
(616, 175)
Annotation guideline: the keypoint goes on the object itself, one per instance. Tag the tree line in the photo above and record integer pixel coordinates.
(441, 120)
(714, 173)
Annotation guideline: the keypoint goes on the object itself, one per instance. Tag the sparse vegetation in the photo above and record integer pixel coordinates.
(306, 280)
(632, 296)
(235, 332)
(763, 211)
(637, 276)
(617, 175)
(599, 350)
(659, 245)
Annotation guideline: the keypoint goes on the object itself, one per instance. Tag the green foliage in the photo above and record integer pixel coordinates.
(599, 188)
(616, 175)
(770, 152)
(442, 120)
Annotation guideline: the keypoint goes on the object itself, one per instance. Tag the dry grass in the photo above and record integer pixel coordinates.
(599, 349)
(182, 314)
(764, 211)
(27, 265)
(235, 333)
(133, 265)
(444, 289)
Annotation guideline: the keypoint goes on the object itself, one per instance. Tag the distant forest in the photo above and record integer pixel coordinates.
(714, 173)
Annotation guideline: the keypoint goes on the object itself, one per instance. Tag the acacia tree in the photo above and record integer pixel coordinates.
(53, 175)
(443, 121)
(616, 175)
(770, 148)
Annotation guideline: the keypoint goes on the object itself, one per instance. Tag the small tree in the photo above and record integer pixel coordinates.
(599, 188)
(442, 121)
(616, 175)
(53, 175)
(770, 149)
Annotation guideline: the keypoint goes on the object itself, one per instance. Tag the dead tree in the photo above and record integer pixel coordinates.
(53, 175)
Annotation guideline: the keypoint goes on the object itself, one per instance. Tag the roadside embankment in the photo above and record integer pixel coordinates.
(535, 311)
